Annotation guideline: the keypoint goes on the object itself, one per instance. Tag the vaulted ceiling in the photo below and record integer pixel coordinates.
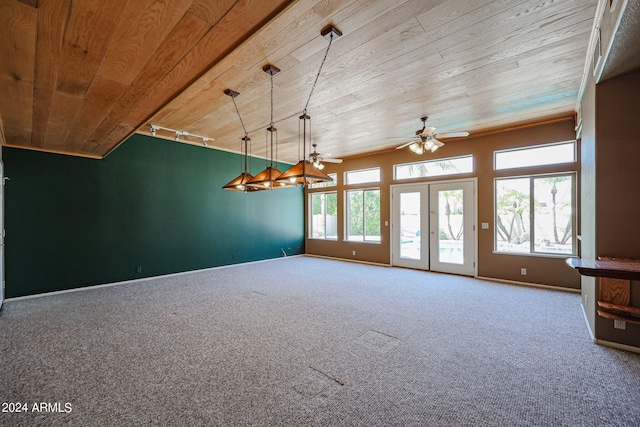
(80, 77)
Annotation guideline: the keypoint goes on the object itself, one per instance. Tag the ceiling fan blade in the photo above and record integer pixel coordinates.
(452, 134)
(406, 144)
(428, 130)
(435, 144)
(331, 160)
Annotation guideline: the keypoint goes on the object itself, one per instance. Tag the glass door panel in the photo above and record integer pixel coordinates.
(452, 242)
(409, 226)
(451, 226)
(410, 231)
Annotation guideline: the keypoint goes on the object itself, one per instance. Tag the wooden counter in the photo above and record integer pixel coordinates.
(614, 280)
(628, 269)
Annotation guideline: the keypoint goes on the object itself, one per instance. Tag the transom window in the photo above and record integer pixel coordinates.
(362, 176)
(448, 166)
(325, 184)
(538, 155)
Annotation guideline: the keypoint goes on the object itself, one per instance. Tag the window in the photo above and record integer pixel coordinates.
(449, 166)
(324, 184)
(539, 155)
(535, 214)
(324, 216)
(362, 176)
(363, 215)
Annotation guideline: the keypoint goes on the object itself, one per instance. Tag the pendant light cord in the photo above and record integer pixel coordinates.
(233, 98)
(318, 75)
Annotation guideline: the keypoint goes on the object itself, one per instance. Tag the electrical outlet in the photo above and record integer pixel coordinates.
(354, 253)
(523, 271)
(139, 269)
(619, 324)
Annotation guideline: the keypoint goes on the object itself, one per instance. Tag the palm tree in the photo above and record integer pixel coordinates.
(512, 204)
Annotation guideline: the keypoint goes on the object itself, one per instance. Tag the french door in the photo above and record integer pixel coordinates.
(432, 226)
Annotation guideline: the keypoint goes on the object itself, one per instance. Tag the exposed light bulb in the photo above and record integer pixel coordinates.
(417, 147)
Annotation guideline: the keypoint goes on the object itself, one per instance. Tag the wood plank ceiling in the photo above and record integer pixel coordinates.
(81, 76)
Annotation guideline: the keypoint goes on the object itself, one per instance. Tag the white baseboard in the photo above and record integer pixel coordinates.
(142, 279)
(529, 284)
(617, 346)
(586, 321)
(379, 264)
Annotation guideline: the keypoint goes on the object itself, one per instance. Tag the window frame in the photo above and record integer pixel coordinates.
(532, 239)
(324, 215)
(347, 216)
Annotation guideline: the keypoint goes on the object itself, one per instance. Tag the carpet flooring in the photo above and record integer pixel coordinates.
(305, 341)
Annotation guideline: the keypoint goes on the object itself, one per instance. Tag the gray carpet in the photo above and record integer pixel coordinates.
(305, 341)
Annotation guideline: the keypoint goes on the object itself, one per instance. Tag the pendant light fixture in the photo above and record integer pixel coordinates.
(266, 180)
(304, 172)
(240, 183)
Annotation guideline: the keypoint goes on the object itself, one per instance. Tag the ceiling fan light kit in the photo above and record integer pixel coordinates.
(426, 140)
(304, 172)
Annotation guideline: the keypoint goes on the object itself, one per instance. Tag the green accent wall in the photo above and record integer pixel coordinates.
(152, 205)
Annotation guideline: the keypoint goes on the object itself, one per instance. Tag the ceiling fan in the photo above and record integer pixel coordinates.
(426, 139)
(316, 158)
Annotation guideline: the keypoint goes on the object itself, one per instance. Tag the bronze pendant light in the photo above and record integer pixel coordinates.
(266, 180)
(304, 172)
(240, 183)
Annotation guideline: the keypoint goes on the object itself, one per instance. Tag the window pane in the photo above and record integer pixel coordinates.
(549, 154)
(324, 216)
(354, 215)
(512, 215)
(438, 167)
(317, 216)
(372, 215)
(553, 214)
(451, 228)
(410, 225)
(361, 176)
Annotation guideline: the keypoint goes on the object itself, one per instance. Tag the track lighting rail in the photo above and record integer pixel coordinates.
(180, 133)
